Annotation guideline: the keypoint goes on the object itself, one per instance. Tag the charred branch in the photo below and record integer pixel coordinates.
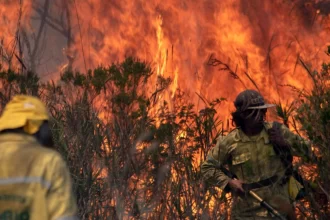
(64, 28)
(224, 67)
(44, 15)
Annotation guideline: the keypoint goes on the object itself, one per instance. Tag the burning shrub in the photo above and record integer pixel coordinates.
(313, 114)
(132, 154)
(310, 117)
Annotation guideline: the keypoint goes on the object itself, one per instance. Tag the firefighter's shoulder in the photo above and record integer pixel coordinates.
(229, 138)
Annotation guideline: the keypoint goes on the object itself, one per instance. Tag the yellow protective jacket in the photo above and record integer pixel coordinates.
(34, 181)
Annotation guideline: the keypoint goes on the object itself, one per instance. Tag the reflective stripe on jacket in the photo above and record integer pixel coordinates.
(34, 181)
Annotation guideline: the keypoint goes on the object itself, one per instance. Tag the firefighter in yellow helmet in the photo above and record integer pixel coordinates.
(34, 180)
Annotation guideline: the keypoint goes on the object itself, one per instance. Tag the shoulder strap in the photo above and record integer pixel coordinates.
(285, 155)
(287, 159)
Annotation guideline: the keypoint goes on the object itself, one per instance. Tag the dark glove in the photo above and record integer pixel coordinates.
(276, 137)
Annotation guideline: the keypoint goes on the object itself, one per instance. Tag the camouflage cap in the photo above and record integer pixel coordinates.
(250, 99)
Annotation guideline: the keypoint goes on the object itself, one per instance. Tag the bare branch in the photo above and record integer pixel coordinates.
(225, 67)
(56, 24)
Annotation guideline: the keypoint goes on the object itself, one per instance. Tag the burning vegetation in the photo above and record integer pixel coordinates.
(140, 91)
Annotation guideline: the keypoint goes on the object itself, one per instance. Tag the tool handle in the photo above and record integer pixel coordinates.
(254, 195)
(266, 205)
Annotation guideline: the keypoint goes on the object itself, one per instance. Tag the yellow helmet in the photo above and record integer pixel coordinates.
(24, 111)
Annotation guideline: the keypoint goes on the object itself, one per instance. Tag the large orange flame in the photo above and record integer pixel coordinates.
(213, 48)
(260, 43)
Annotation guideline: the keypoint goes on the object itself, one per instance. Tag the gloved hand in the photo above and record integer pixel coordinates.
(276, 137)
(236, 185)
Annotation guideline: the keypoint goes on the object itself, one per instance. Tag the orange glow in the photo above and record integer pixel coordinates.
(262, 41)
(213, 48)
(13, 16)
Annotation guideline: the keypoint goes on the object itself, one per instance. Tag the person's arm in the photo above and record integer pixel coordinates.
(286, 139)
(210, 168)
(61, 202)
(298, 146)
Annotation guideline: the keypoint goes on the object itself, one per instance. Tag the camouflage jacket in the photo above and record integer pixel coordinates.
(251, 159)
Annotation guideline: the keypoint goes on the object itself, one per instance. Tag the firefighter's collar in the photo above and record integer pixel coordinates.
(245, 138)
(17, 137)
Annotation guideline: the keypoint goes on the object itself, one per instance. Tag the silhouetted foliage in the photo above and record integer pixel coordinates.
(133, 154)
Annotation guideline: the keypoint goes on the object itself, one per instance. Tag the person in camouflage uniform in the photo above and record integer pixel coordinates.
(249, 154)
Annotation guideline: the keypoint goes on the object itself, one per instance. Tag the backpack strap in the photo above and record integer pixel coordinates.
(285, 155)
(287, 158)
